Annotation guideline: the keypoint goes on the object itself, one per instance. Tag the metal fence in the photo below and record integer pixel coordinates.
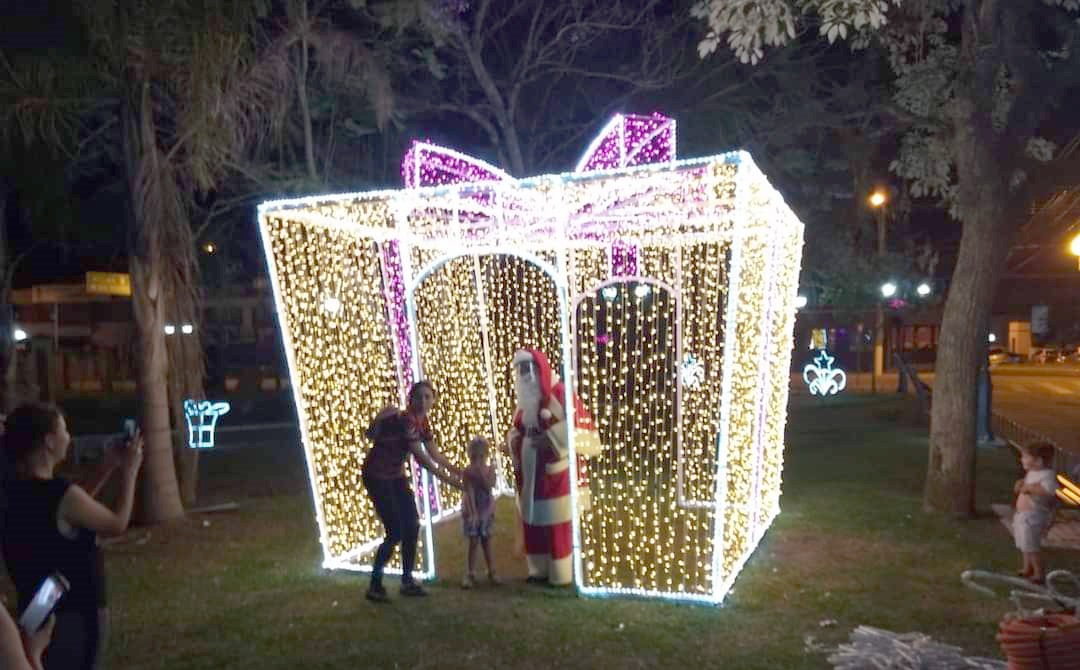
(1017, 434)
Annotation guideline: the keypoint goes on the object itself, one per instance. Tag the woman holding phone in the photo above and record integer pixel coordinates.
(51, 525)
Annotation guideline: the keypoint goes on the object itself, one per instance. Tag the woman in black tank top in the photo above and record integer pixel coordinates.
(51, 525)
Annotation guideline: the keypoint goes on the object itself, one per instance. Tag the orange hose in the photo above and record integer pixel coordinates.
(1050, 642)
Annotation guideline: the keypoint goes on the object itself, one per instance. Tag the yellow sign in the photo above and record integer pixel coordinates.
(108, 283)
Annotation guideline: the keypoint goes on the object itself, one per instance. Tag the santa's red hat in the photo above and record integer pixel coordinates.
(586, 437)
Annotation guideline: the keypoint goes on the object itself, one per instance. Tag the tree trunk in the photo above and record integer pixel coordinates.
(186, 382)
(187, 459)
(950, 477)
(302, 97)
(7, 344)
(510, 139)
(988, 229)
(305, 113)
(159, 495)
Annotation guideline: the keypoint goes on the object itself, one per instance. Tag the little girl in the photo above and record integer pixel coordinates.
(478, 509)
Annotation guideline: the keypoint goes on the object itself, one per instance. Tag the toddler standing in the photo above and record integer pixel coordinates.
(1034, 507)
(478, 509)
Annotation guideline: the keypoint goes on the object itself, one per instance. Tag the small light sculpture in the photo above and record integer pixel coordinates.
(202, 417)
(822, 378)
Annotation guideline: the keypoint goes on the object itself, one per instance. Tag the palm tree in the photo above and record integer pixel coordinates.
(178, 87)
(194, 93)
(187, 91)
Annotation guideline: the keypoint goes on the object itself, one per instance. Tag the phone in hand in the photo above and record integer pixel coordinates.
(47, 597)
(129, 428)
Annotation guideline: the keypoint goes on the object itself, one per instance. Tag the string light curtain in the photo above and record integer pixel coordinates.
(663, 290)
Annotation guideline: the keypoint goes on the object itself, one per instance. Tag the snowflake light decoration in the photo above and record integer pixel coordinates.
(693, 372)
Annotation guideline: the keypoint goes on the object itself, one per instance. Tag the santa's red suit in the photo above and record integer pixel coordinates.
(542, 473)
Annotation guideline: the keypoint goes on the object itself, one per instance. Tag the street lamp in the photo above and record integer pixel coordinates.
(1074, 247)
(187, 329)
(878, 200)
(210, 248)
(991, 338)
(923, 289)
(170, 329)
(800, 301)
(888, 289)
(19, 335)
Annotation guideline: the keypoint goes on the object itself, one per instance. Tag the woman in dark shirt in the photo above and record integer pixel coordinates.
(51, 525)
(396, 435)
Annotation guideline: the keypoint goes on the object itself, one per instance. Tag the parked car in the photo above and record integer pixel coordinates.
(1048, 355)
(999, 356)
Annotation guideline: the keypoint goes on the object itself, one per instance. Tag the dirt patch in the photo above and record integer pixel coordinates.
(818, 551)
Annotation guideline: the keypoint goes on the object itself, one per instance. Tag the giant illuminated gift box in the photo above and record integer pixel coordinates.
(662, 289)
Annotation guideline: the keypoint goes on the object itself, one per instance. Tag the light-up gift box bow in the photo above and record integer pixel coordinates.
(621, 272)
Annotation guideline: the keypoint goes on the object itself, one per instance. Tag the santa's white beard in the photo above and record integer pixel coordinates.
(528, 400)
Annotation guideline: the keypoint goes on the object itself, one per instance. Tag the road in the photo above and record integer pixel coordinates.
(1044, 398)
(1041, 398)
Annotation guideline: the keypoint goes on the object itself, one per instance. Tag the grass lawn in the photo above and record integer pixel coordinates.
(243, 589)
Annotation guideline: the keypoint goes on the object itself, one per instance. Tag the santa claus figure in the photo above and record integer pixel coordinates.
(539, 448)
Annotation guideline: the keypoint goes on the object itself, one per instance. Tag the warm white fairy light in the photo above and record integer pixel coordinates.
(690, 475)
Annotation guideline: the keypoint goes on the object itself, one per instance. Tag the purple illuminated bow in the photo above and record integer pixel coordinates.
(627, 140)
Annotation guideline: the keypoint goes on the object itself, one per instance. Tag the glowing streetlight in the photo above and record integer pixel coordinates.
(800, 301)
(187, 329)
(991, 338)
(170, 329)
(923, 289)
(210, 248)
(878, 199)
(1074, 247)
(19, 335)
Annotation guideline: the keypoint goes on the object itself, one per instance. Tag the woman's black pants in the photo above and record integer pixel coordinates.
(396, 507)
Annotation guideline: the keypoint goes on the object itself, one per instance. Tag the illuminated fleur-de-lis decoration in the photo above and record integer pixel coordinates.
(202, 417)
(822, 378)
(1069, 492)
(693, 371)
